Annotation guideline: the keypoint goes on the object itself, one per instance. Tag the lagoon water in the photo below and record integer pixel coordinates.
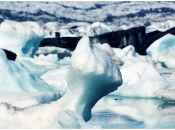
(134, 113)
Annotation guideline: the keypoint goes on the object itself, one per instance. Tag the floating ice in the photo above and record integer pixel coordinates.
(21, 38)
(50, 57)
(167, 94)
(167, 60)
(161, 26)
(130, 109)
(27, 99)
(165, 44)
(92, 75)
(128, 53)
(57, 78)
(61, 52)
(90, 71)
(106, 48)
(16, 78)
(141, 80)
(97, 28)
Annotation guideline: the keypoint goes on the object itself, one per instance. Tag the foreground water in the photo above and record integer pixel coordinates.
(128, 113)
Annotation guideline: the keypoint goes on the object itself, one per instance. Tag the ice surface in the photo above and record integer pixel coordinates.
(164, 45)
(21, 38)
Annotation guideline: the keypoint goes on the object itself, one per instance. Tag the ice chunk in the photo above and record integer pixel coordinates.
(21, 38)
(106, 48)
(26, 99)
(167, 60)
(128, 53)
(141, 80)
(61, 52)
(97, 28)
(165, 44)
(68, 120)
(49, 58)
(16, 78)
(57, 78)
(167, 94)
(92, 75)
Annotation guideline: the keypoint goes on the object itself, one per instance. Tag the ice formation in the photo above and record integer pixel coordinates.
(90, 71)
(92, 75)
(97, 28)
(61, 52)
(143, 80)
(16, 78)
(57, 78)
(167, 60)
(106, 48)
(21, 38)
(129, 53)
(164, 45)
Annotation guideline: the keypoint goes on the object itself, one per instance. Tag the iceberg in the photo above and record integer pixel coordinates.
(16, 78)
(97, 28)
(167, 60)
(21, 38)
(164, 45)
(143, 81)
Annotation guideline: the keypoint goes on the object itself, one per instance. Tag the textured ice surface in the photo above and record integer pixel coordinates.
(21, 38)
(164, 45)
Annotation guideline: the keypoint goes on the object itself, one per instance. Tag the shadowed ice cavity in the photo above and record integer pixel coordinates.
(133, 113)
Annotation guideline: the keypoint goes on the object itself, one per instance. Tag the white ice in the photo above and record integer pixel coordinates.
(16, 78)
(141, 80)
(89, 80)
(164, 45)
(21, 38)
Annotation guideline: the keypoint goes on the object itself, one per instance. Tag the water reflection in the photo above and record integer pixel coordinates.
(119, 112)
